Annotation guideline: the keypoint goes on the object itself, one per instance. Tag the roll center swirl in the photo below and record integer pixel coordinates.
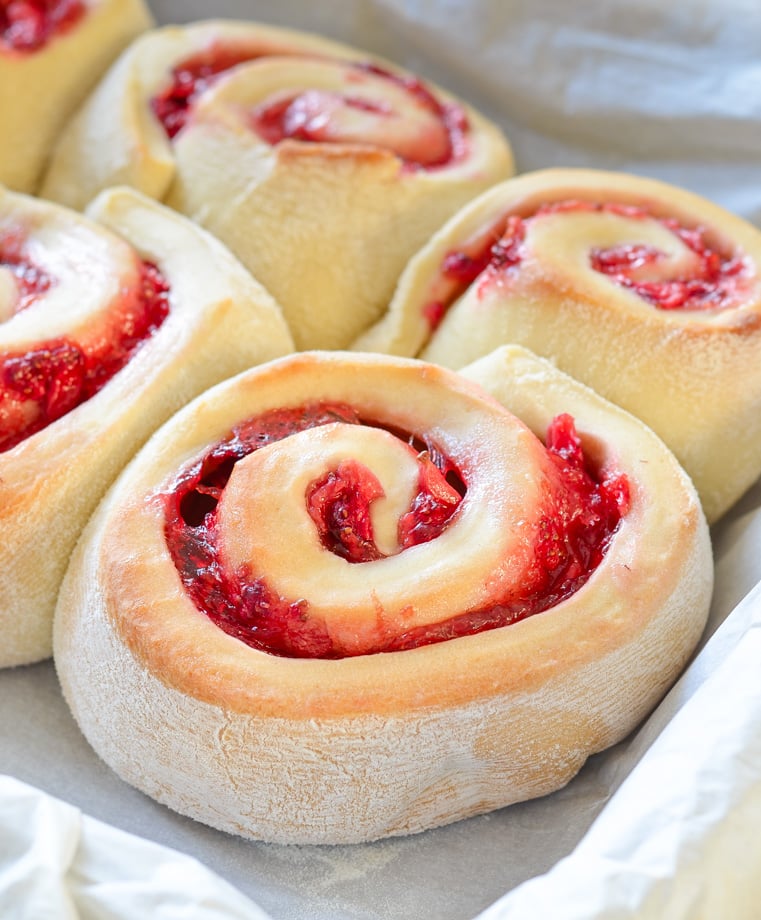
(315, 532)
(341, 487)
(667, 264)
(75, 305)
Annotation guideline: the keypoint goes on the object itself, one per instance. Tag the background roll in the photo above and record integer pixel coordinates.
(646, 292)
(80, 389)
(322, 167)
(51, 56)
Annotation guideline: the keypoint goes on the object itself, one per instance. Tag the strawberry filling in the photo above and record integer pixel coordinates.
(339, 505)
(41, 384)
(309, 116)
(192, 77)
(326, 117)
(28, 25)
(581, 513)
(717, 280)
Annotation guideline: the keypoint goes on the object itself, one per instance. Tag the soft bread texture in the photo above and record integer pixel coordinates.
(359, 748)
(326, 226)
(220, 321)
(691, 375)
(40, 89)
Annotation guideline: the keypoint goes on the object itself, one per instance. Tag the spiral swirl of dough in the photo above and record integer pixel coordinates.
(648, 293)
(109, 323)
(290, 149)
(382, 739)
(264, 519)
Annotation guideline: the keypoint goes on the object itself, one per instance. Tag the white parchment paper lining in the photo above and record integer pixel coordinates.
(673, 93)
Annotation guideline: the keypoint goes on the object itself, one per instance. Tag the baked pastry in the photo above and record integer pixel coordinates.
(322, 169)
(52, 54)
(111, 322)
(342, 597)
(648, 293)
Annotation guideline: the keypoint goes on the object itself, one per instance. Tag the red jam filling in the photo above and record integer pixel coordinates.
(339, 505)
(303, 116)
(28, 25)
(306, 117)
(192, 77)
(717, 282)
(451, 115)
(40, 385)
(575, 533)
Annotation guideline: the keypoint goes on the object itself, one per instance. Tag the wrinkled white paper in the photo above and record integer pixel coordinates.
(664, 826)
(57, 863)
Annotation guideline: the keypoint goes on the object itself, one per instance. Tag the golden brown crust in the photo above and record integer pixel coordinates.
(399, 741)
(51, 482)
(40, 90)
(692, 375)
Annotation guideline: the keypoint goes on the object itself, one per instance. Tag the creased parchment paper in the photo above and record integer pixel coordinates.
(663, 826)
(56, 862)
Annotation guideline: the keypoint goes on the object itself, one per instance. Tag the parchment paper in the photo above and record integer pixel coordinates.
(661, 826)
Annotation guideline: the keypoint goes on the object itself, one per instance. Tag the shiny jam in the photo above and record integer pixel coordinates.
(28, 25)
(194, 76)
(576, 529)
(40, 385)
(305, 117)
(717, 283)
(283, 119)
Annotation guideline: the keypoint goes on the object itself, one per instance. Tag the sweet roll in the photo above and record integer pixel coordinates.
(52, 55)
(108, 324)
(646, 292)
(341, 597)
(321, 167)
